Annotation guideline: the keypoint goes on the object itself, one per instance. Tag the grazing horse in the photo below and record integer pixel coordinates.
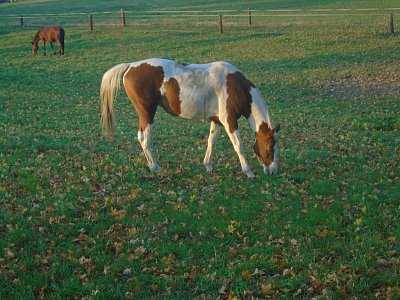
(216, 91)
(49, 34)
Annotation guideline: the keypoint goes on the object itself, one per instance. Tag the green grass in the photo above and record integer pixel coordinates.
(82, 217)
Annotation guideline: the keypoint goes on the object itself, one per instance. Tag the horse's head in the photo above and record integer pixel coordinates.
(34, 48)
(266, 148)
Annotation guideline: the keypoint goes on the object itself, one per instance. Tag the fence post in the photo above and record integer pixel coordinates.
(90, 23)
(123, 18)
(221, 27)
(249, 12)
(391, 24)
(21, 21)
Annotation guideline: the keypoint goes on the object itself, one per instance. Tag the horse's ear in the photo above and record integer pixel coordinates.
(277, 128)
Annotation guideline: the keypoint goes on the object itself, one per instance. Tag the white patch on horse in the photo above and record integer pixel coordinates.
(144, 138)
(238, 146)
(212, 139)
(198, 98)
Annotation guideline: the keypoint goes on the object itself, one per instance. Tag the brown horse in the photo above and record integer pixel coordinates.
(49, 34)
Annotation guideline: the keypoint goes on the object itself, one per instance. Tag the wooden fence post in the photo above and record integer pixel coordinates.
(221, 27)
(391, 24)
(123, 18)
(90, 23)
(249, 13)
(21, 21)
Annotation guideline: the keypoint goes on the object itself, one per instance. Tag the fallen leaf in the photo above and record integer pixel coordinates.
(266, 289)
(127, 271)
(132, 231)
(247, 274)
(344, 267)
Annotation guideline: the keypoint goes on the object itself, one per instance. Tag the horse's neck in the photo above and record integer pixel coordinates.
(259, 112)
(36, 39)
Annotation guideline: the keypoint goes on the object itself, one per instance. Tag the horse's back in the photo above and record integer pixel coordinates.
(191, 91)
(172, 67)
(52, 33)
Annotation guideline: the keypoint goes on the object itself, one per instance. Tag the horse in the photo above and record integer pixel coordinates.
(217, 91)
(49, 34)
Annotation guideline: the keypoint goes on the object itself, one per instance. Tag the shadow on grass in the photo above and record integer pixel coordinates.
(227, 38)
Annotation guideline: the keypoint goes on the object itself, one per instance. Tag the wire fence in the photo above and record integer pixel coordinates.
(218, 19)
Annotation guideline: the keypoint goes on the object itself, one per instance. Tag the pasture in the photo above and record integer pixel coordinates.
(81, 217)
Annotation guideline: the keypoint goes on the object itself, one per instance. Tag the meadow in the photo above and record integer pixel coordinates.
(82, 217)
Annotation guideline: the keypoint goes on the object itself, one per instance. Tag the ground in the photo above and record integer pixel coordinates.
(82, 217)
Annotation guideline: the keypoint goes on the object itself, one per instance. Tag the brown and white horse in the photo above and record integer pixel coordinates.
(216, 91)
(49, 34)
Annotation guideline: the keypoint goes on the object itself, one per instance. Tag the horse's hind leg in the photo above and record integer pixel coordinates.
(61, 51)
(141, 87)
(215, 129)
(144, 138)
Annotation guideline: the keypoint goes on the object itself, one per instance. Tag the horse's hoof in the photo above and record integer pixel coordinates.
(209, 167)
(250, 174)
(155, 168)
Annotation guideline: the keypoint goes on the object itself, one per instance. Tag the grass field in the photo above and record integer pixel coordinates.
(83, 218)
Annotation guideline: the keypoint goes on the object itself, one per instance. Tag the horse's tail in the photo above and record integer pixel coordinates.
(61, 35)
(110, 85)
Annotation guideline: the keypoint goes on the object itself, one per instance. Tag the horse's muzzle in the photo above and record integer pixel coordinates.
(272, 169)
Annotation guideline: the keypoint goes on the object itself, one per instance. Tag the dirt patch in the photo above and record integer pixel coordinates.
(361, 85)
(355, 89)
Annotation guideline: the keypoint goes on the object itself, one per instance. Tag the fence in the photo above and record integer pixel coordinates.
(183, 19)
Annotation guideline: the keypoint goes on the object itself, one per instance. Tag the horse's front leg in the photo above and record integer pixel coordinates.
(238, 146)
(215, 129)
(44, 46)
(144, 138)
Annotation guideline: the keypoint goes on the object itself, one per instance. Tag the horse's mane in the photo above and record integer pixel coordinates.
(36, 39)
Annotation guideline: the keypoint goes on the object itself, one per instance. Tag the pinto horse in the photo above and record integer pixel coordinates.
(49, 34)
(216, 91)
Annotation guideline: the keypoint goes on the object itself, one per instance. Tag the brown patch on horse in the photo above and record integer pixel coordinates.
(171, 102)
(239, 99)
(215, 119)
(142, 85)
(264, 145)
